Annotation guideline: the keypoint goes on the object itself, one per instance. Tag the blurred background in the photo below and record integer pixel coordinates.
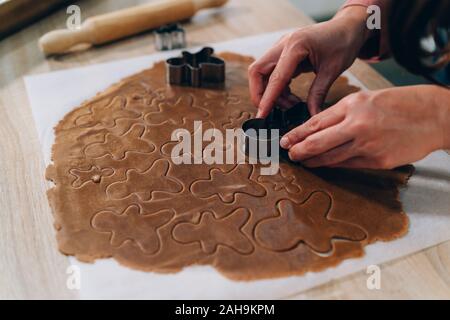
(17, 14)
(322, 10)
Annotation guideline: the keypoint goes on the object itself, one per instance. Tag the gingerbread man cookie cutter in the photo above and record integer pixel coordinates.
(200, 69)
(284, 121)
(170, 37)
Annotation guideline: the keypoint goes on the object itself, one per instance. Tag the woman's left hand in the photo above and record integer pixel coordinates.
(375, 130)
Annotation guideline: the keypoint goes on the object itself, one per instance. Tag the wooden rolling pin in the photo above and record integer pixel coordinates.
(123, 23)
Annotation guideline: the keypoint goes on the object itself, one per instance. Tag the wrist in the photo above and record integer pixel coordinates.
(355, 17)
(442, 104)
(446, 125)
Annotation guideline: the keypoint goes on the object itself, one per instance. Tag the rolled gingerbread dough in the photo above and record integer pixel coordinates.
(117, 192)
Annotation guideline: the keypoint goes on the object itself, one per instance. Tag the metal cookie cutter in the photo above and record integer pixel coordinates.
(257, 134)
(170, 37)
(199, 69)
(295, 116)
(284, 121)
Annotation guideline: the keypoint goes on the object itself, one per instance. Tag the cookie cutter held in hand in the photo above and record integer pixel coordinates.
(295, 116)
(284, 121)
(258, 135)
(200, 69)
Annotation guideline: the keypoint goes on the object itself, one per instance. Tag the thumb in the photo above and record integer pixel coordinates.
(319, 90)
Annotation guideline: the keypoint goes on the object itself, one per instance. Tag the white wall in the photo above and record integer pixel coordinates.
(318, 8)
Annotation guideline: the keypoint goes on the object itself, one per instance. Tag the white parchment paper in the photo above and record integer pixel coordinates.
(426, 199)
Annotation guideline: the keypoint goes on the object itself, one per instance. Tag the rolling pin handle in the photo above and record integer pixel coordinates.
(207, 4)
(59, 41)
(123, 23)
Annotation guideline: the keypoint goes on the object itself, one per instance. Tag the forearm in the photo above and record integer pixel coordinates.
(430, 107)
(447, 130)
(376, 46)
(442, 101)
(355, 16)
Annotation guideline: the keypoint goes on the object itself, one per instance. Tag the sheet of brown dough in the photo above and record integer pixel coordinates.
(118, 194)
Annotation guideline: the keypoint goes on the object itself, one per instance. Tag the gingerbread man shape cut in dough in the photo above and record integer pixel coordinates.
(178, 113)
(134, 226)
(306, 222)
(237, 121)
(143, 184)
(212, 233)
(283, 180)
(118, 147)
(99, 114)
(226, 185)
(94, 175)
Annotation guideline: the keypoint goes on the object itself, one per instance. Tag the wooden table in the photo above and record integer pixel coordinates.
(30, 264)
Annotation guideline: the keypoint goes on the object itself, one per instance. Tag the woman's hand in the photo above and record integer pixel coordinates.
(375, 130)
(327, 48)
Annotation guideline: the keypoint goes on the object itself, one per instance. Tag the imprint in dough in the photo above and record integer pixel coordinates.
(177, 114)
(283, 180)
(94, 174)
(117, 147)
(133, 226)
(143, 184)
(101, 114)
(305, 222)
(212, 233)
(226, 185)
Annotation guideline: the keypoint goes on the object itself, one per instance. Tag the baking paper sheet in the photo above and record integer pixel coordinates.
(426, 199)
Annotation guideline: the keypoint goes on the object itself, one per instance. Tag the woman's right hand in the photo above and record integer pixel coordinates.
(327, 48)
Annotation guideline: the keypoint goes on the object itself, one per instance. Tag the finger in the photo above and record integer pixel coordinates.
(260, 70)
(357, 163)
(332, 157)
(280, 78)
(258, 76)
(321, 121)
(319, 143)
(319, 90)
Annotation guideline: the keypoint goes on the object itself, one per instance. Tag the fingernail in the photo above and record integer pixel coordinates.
(259, 114)
(291, 156)
(284, 143)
